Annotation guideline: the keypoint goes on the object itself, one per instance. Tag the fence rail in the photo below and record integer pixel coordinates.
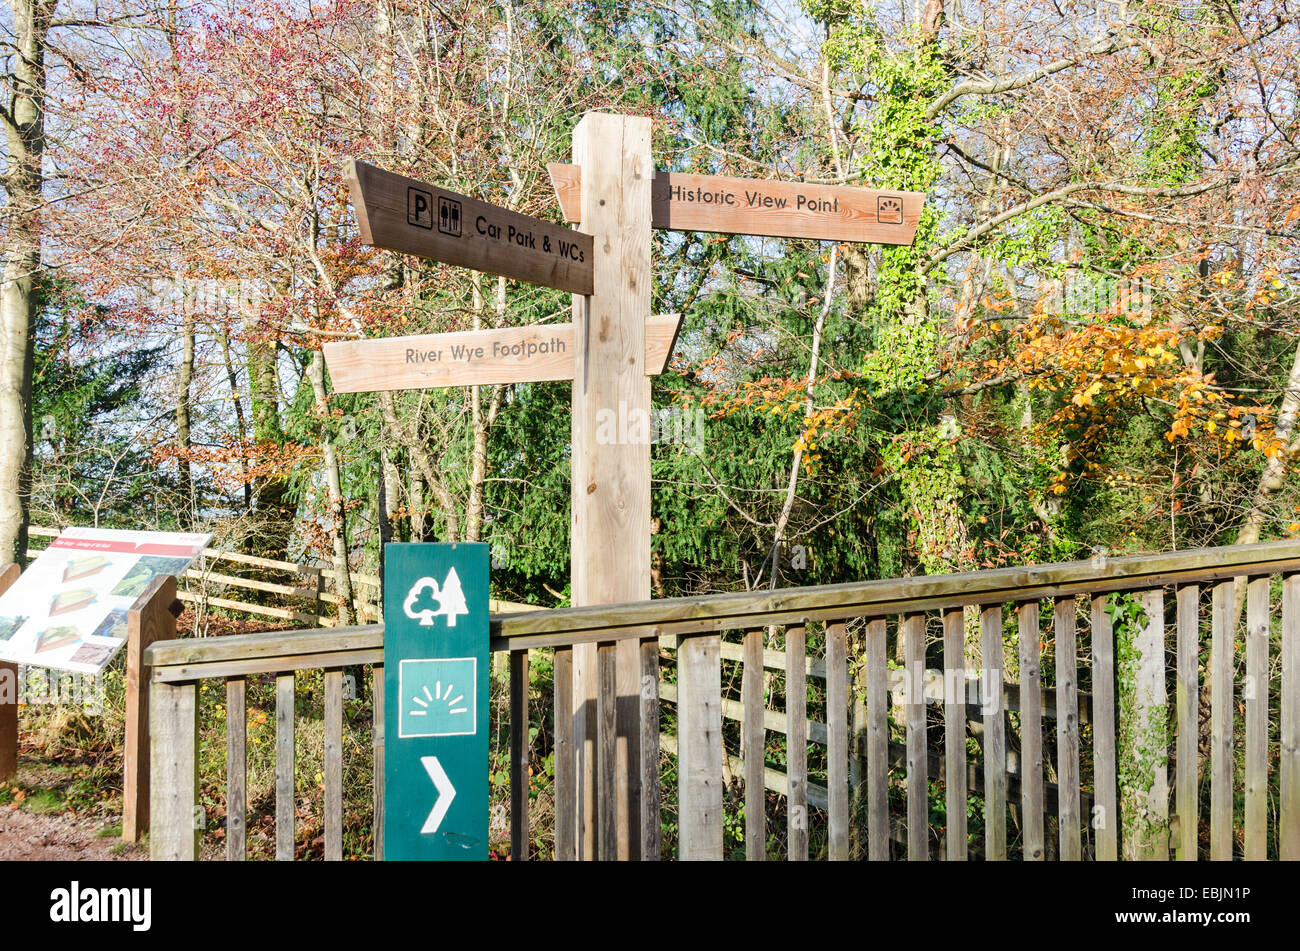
(1069, 792)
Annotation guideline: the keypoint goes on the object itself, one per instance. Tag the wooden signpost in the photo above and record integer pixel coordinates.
(681, 202)
(607, 742)
(475, 357)
(403, 214)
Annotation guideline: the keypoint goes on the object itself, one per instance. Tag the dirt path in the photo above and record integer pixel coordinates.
(58, 837)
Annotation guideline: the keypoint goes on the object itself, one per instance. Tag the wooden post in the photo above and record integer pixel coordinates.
(151, 618)
(995, 736)
(650, 819)
(286, 799)
(1105, 818)
(520, 779)
(333, 771)
(796, 740)
(755, 738)
(566, 805)
(954, 731)
(1145, 807)
(699, 747)
(877, 744)
(1255, 693)
(611, 450)
(236, 769)
(837, 741)
(1187, 720)
(1288, 833)
(1221, 723)
(918, 784)
(174, 768)
(8, 697)
(1031, 734)
(1067, 731)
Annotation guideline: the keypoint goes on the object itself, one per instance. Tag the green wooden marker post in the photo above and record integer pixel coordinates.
(436, 690)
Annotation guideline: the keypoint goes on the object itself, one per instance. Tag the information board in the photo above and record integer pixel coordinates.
(68, 610)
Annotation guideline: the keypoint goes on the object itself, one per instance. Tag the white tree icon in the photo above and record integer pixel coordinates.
(452, 600)
(449, 595)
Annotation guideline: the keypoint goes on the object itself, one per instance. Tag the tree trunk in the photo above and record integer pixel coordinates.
(338, 513)
(184, 377)
(25, 131)
(274, 511)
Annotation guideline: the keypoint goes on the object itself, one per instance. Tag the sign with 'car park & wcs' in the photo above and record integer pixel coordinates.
(436, 696)
(405, 214)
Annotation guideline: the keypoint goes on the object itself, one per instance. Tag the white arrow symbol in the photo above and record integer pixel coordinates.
(446, 793)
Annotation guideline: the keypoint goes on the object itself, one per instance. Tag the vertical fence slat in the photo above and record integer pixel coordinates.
(565, 778)
(607, 786)
(837, 741)
(995, 738)
(649, 750)
(1187, 717)
(1105, 818)
(377, 732)
(796, 712)
(858, 758)
(284, 782)
(699, 747)
(333, 765)
(954, 730)
(877, 744)
(1289, 739)
(1221, 702)
(1149, 798)
(755, 746)
(236, 768)
(520, 779)
(1067, 730)
(918, 785)
(174, 760)
(1256, 697)
(1032, 804)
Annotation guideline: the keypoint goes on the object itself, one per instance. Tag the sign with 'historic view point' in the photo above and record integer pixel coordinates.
(681, 202)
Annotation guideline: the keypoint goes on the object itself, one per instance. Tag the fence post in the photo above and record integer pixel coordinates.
(699, 747)
(8, 697)
(174, 771)
(1144, 807)
(151, 618)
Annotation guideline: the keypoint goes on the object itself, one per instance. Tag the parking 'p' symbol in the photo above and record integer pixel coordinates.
(419, 208)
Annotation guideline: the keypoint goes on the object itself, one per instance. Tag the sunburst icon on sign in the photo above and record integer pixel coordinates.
(421, 707)
(438, 696)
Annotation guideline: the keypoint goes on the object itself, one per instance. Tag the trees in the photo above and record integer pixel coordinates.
(881, 410)
(23, 116)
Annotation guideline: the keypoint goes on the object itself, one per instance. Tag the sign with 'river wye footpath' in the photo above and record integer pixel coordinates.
(436, 710)
(476, 357)
(404, 214)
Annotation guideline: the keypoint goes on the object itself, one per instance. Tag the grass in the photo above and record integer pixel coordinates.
(45, 802)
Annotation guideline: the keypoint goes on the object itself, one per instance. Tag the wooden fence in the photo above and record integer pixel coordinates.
(1114, 766)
